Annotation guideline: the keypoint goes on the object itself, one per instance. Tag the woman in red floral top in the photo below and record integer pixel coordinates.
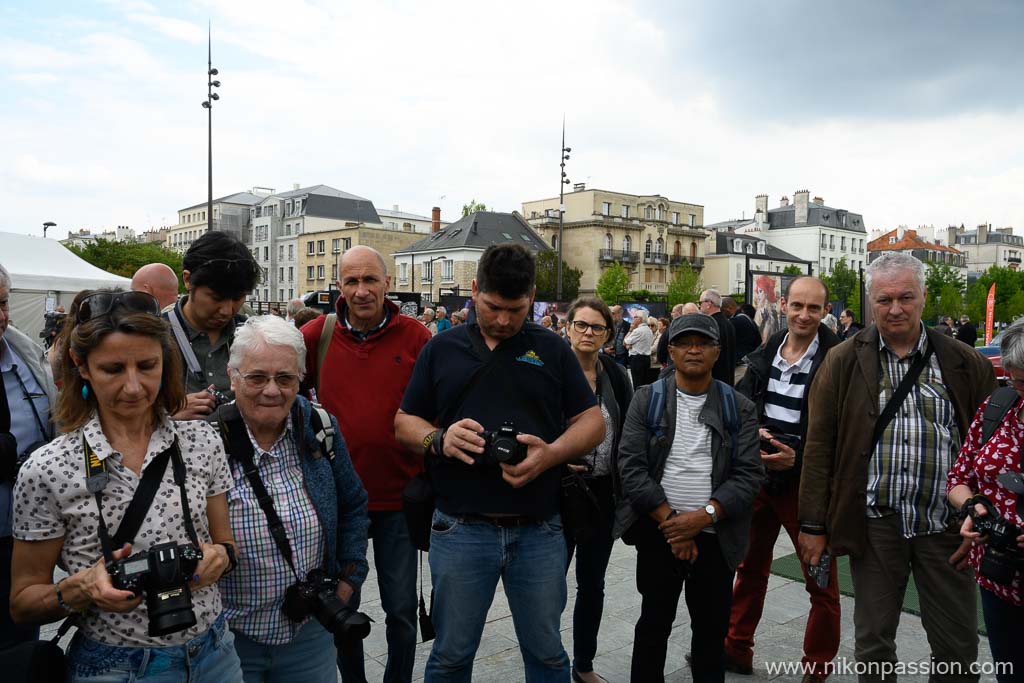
(976, 471)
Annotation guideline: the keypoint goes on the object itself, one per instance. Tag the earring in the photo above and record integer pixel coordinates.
(85, 392)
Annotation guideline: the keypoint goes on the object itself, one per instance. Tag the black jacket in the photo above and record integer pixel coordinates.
(724, 367)
(967, 333)
(847, 334)
(748, 337)
(754, 385)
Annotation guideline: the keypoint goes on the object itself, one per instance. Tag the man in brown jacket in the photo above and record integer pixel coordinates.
(880, 497)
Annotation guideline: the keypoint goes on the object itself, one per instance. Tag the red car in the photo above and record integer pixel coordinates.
(993, 352)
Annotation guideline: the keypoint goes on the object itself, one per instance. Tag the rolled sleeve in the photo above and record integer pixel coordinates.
(36, 513)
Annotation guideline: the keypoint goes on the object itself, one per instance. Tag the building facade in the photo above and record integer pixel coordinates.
(230, 214)
(648, 234)
(905, 240)
(446, 261)
(985, 247)
(811, 230)
(731, 254)
(85, 236)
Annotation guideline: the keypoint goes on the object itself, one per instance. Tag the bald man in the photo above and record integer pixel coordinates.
(159, 280)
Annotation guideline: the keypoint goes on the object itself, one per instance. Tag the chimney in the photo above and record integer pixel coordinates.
(951, 236)
(435, 219)
(394, 207)
(800, 202)
(819, 200)
(295, 186)
(784, 201)
(760, 212)
(983, 233)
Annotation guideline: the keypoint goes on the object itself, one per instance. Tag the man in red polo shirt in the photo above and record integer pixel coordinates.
(369, 360)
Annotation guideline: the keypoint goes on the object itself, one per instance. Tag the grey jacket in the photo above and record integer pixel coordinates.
(734, 483)
(32, 355)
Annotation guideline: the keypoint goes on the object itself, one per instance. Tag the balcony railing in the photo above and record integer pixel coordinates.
(655, 287)
(620, 256)
(696, 261)
(656, 259)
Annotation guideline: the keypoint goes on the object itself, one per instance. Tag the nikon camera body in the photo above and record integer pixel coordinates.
(162, 574)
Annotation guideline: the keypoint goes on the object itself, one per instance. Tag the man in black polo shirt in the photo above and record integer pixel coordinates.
(495, 519)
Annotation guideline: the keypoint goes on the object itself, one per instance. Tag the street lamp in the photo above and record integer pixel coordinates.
(430, 267)
(564, 157)
(208, 106)
(46, 226)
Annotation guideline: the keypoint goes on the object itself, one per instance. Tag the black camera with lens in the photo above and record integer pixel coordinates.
(501, 445)
(317, 596)
(1003, 557)
(162, 573)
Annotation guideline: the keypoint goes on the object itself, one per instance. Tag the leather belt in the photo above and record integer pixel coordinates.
(505, 521)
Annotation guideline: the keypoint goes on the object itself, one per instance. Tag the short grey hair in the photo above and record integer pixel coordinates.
(5, 278)
(713, 296)
(1012, 346)
(892, 262)
(442, 309)
(267, 330)
(294, 306)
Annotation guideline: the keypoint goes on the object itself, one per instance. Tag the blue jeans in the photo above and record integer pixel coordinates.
(207, 658)
(310, 656)
(467, 557)
(591, 564)
(1005, 625)
(394, 560)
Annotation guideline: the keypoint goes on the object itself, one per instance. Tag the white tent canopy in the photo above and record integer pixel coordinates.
(42, 268)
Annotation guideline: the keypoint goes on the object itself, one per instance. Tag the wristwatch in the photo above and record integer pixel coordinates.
(428, 442)
(232, 558)
(710, 509)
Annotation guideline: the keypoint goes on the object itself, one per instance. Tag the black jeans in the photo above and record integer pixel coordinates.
(639, 367)
(591, 565)
(660, 578)
(10, 633)
(1005, 625)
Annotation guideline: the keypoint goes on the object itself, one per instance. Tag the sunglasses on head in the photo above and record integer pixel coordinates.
(102, 303)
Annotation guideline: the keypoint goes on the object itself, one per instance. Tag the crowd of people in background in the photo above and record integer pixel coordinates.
(209, 483)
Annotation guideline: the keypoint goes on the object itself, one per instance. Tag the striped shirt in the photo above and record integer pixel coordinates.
(907, 473)
(784, 397)
(687, 477)
(254, 592)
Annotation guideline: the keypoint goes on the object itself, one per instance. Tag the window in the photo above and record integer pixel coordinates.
(625, 211)
(647, 248)
(648, 212)
(661, 213)
(266, 253)
(824, 240)
(447, 270)
(659, 246)
(831, 241)
(309, 248)
(309, 272)
(678, 248)
(627, 243)
(606, 208)
(280, 295)
(737, 245)
(319, 272)
(842, 243)
(266, 294)
(320, 246)
(892, 240)
(280, 273)
(291, 293)
(693, 250)
(291, 273)
(675, 218)
(554, 241)
(607, 240)
(334, 271)
(346, 243)
(693, 220)
(403, 272)
(291, 252)
(748, 248)
(280, 253)
(831, 264)
(336, 245)
(761, 248)
(426, 271)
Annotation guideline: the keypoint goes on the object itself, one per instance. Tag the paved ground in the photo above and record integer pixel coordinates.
(779, 637)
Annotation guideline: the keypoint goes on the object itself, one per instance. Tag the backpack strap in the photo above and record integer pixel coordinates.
(656, 409)
(731, 413)
(323, 429)
(321, 349)
(999, 404)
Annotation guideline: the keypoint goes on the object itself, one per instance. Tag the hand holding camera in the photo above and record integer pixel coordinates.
(162, 574)
(1003, 556)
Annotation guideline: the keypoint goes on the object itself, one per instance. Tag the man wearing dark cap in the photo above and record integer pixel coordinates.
(690, 468)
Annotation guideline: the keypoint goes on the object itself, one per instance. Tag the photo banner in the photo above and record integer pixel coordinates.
(764, 291)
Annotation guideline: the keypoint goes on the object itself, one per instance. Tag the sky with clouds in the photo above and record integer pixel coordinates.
(907, 112)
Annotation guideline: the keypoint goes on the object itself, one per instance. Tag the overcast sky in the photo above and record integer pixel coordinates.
(907, 112)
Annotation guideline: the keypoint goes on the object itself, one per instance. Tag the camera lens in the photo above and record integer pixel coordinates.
(170, 610)
(344, 622)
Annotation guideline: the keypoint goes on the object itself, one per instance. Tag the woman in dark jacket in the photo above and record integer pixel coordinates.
(590, 325)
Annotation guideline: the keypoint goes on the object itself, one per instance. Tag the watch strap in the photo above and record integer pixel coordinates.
(229, 548)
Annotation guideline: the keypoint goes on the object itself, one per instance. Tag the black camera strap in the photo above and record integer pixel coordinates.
(240, 448)
(900, 395)
(97, 478)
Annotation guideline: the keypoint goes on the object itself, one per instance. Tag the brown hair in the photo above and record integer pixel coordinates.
(72, 411)
(594, 303)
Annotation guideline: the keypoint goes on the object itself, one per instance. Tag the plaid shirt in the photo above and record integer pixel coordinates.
(254, 592)
(907, 473)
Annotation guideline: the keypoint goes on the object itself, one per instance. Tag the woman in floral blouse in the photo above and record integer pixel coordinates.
(982, 470)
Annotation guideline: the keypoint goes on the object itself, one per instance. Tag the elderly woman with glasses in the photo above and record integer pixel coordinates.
(590, 325)
(986, 481)
(131, 504)
(280, 444)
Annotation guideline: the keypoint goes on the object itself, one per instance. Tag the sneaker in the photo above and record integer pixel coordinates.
(731, 664)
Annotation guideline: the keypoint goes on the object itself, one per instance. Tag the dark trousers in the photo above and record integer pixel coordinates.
(591, 564)
(821, 635)
(10, 633)
(639, 366)
(659, 579)
(1005, 625)
(948, 598)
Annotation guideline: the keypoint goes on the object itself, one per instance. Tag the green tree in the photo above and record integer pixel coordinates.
(613, 284)
(939, 275)
(842, 282)
(1008, 283)
(473, 207)
(685, 285)
(124, 258)
(792, 269)
(547, 278)
(950, 301)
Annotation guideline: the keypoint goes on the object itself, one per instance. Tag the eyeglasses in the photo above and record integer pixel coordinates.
(259, 380)
(699, 344)
(582, 327)
(102, 303)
